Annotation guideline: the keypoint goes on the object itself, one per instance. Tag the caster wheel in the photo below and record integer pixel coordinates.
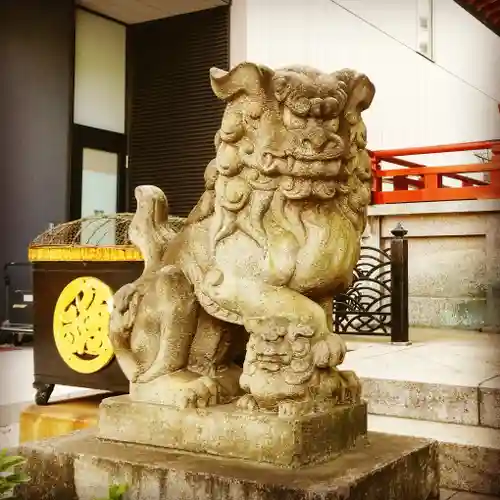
(43, 393)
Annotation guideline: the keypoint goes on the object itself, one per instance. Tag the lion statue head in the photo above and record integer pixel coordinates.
(286, 137)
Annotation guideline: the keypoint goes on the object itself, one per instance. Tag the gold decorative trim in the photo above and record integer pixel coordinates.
(84, 254)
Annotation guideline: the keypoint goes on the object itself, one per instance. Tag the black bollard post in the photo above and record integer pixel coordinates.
(399, 287)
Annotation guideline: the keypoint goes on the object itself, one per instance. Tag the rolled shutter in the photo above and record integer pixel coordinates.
(173, 114)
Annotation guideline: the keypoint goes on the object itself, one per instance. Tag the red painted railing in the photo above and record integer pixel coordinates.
(417, 182)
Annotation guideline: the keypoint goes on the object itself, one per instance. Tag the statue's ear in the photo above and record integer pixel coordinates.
(362, 93)
(246, 77)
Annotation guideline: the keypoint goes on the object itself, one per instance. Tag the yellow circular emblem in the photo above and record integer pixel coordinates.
(81, 324)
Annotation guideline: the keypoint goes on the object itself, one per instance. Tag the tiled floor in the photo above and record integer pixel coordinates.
(435, 356)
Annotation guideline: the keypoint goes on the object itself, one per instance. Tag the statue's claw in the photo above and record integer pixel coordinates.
(198, 393)
(330, 351)
(351, 387)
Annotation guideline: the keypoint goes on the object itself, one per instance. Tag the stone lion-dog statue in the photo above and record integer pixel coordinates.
(274, 237)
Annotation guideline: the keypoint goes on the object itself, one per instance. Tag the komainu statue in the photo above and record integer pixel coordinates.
(252, 273)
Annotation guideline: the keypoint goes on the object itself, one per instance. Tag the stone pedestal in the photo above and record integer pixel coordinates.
(224, 453)
(81, 466)
(284, 440)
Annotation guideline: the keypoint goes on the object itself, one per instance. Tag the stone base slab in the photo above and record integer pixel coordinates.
(226, 431)
(81, 467)
(421, 400)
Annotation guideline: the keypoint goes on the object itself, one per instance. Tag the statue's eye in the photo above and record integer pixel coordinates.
(293, 121)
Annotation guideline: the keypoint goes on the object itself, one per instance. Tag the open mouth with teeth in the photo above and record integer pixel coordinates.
(314, 167)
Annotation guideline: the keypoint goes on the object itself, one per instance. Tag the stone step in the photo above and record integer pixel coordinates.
(442, 376)
(469, 455)
(439, 402)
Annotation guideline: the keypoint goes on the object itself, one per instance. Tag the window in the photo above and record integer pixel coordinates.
(425, 28)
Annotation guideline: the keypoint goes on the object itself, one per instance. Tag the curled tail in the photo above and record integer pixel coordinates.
(149, 230)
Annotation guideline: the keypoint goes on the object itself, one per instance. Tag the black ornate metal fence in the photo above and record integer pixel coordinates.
(377, 301)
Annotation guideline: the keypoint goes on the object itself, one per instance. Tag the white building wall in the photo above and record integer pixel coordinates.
(466, 48)
(418, 102)
(397, 18)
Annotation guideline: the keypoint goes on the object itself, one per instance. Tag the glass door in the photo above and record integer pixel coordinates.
(98, 177)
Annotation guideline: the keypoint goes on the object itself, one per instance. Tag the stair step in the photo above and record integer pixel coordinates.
(459, 404)
(469, 455)
(444, 377)
(489, 403)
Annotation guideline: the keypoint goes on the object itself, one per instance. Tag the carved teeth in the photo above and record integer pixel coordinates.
(300, 168)
(270, 367)
(269, 350)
